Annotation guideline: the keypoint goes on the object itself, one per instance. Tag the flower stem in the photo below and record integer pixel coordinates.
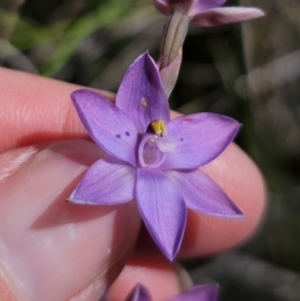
(173, 35)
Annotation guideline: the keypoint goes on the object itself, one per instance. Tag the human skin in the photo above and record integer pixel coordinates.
(51, 250)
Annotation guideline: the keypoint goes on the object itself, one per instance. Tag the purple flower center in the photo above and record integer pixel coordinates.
(149, 152)
(154, 146)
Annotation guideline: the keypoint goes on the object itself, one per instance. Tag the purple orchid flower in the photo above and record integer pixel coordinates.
(207, 292)
(209, 12)
(152, 158)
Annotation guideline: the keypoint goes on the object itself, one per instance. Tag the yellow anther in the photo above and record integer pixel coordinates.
(159, 127)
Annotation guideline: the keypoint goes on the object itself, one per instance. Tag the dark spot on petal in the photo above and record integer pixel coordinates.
(127, 134)
(118, 136)
(181, 139)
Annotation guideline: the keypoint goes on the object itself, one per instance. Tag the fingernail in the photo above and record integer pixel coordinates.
(185, 281)
(50, 249)
(13, 160)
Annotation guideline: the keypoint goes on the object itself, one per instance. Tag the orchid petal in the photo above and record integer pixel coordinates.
(206, 292)
(108, 125)
(162, 209)
(107, 182)
(197, 139)
(141, 94)
(226, 15)
(139, 293)
(202, 194)
(199, 6)
(162, 6)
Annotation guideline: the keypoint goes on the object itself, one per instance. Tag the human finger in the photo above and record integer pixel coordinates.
(51, 249)
(35, 109)
(242, 181)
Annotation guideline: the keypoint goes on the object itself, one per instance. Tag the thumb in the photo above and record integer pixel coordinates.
(52, 250)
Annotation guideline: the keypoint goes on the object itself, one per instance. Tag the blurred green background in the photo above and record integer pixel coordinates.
(250, 72)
